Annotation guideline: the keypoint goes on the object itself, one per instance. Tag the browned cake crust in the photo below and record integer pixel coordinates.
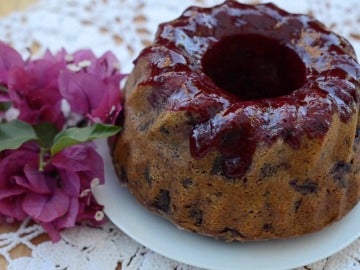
(287, 189)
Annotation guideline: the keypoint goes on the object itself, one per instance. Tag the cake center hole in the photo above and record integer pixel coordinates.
(254, 67)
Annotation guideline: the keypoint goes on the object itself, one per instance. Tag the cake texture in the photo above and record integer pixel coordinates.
(241, 123)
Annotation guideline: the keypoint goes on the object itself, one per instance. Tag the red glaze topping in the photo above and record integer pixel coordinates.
(249, 75)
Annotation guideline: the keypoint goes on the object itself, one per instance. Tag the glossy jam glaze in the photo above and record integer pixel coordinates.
(233, 125)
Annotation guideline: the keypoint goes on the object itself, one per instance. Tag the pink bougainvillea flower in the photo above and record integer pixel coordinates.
(90, 210)
(81, 90)
(57, 197)
(37, 87)
(79, 166)
(12, 164)
(58, 194)
(46, 207)
(105, 67)
(9, 58)
(83, 161)
(91, 86)
(33, 90)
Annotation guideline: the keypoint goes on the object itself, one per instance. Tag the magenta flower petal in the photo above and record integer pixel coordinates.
(107, 66)
(70, 183)
(52, 231)
(83, 91)
(34, 180)
(60, 56)
(33, 89)
(4, 97)
(12, 207)
(46, 71)
(92, 86)
(83, 55)
(81, 157)
(52, 113)
(70, 218)
(109, 106)
(36, 97)
(46, 208)
(9, 58)
(88, 210)
(11, 192)
(13, 162)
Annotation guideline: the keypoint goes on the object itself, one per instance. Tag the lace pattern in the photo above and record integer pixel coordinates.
(125, 27)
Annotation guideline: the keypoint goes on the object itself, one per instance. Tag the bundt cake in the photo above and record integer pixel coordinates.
(241, 123)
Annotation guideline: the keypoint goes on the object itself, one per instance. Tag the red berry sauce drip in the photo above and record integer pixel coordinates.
(250, 75)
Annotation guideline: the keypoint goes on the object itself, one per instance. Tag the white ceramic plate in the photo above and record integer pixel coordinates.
(166, 239)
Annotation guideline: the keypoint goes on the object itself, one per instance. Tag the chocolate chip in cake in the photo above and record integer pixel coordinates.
(339, 172)
(197, 215)
(144, 126)
(341, 167)
(269, 170)
(162, 200)
(306, 187)
(217, 167)
(357, 136)
(187, 182)
(147, 176)
(164, 130)
(297, 205)
(267, 205)
(245, 180)
(267, 227)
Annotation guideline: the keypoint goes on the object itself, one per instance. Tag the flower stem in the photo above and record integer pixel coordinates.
(42, 163)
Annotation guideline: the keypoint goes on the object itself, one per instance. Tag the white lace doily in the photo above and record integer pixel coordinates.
(125, 27)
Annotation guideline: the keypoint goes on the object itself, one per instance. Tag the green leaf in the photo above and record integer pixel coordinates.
(13, 134)
(77, 135)
(4, 106)
(46, 133)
